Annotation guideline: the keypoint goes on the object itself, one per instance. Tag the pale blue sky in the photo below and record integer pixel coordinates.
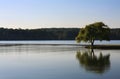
(58, 13)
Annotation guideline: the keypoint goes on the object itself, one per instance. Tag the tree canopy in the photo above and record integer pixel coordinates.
(92, 32)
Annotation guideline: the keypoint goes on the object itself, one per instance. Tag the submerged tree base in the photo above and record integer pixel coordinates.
(104, 47)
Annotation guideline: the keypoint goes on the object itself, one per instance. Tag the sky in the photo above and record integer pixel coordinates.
(32, 14)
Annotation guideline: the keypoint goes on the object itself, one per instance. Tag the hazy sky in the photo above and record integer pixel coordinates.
(58, 13)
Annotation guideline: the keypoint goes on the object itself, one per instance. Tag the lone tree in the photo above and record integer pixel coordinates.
(92, 32)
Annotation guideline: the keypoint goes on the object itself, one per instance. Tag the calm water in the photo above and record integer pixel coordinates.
(57, 42)
(57, 62)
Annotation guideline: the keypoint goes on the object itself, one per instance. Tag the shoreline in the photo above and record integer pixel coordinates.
(111, 46)
(104, 46)
(42, 44)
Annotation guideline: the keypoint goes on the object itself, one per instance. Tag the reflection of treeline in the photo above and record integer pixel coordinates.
(91, 62)
(46, 34)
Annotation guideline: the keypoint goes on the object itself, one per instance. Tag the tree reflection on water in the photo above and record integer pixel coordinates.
(91, 62)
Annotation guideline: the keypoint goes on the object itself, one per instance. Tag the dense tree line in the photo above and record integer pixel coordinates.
(115, 34)
(39, 34)
(46, 34)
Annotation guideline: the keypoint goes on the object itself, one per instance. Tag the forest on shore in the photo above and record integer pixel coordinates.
(47, 34)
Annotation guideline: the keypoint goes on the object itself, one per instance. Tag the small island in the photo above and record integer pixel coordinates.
(96, 31)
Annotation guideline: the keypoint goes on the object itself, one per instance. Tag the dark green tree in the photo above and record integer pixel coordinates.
(92, 32)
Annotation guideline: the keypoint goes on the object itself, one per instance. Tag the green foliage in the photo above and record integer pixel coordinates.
(92, 32)
(38, 34)
(47, 34)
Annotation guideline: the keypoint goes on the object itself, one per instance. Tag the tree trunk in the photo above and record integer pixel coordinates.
(92, 44)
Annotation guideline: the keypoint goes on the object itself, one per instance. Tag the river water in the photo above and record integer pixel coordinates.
(116, 42)
(57, 62)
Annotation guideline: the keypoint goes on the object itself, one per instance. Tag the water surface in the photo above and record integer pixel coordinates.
(117, 42)
(54, 62)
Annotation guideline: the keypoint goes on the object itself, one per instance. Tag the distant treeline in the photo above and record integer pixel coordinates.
(47, 34)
